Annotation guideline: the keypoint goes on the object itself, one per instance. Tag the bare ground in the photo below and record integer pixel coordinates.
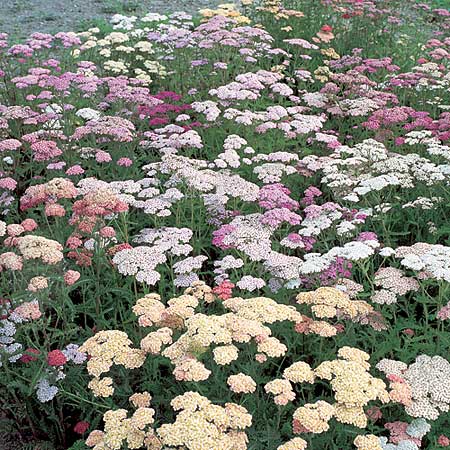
(23, 17)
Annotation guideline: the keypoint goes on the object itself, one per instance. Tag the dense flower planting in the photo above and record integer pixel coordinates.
(229, 231)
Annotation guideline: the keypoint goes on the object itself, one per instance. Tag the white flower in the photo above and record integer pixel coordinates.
(412, 262)
(250, 283)
(45, 391)
(314, 263)
(387, 251)
(88, 114)
(353, 251)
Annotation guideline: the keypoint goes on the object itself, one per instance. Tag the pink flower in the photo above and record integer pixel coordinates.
(71, 277)
(74, 242)
(298, 427)
(443, 441)
(395, 378)
(54, 210)
(118, 248)
(220, 234)
(56, 358)
(29, 224)
(14, 229)
(444, 312)
(45, 150)
(125, 162)
(8, 183)
(28, 311)
(107, 232)
(224, 290)
(9, 144)
(81, 427)
(75, 170)
(398, 432)
(56, 165)
(11, 261)
(102, 156)
(261, 358)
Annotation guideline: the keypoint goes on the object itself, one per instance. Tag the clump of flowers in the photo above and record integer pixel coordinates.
(202, 423)
(241, 383)
(427, 381)
(105, 349)
(134, 431)
(394, 284)
(38, 247)
(328, 302)
(313, 417)
(352, 384)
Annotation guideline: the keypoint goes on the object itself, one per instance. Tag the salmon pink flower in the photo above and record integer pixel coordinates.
(56, 358)
(71, 277)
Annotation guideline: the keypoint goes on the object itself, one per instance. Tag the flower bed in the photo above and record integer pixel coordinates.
(229, 231)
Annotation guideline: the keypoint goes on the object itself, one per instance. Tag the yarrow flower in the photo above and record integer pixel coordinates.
(56, 358)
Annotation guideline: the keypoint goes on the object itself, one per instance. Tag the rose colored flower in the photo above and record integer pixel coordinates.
(71, 276)
(56, 358)
(81, 427)
(45, 150)
(82, 258)
(11, 241)
(54, 210)
(398, 433)
(443, 441)
(444, 312)
(409, 332)
(28, 355)
(327, 28)
(74, 242)
(29, 224)
(107, 232)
